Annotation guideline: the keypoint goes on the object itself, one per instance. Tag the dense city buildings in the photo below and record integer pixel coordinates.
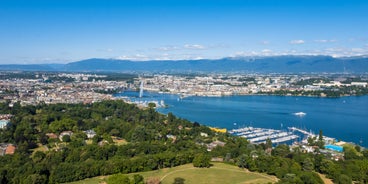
(52, 88)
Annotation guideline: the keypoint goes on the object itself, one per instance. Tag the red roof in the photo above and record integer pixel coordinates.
(10, 149)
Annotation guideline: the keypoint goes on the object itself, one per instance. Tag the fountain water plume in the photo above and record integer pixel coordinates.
(141, 90)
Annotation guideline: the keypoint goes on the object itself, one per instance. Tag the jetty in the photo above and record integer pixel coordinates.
(301, 131)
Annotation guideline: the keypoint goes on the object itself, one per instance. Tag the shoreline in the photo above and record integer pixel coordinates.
(251, 94)
(172, 100)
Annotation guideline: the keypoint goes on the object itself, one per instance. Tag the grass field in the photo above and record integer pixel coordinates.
(218, 173)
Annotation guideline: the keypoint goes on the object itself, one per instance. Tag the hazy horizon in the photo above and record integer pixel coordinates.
(152, 60)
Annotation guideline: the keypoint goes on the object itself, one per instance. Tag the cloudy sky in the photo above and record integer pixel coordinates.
(60, 31)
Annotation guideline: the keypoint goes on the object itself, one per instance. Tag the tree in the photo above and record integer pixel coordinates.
(179, 180)
(151, 105)
(308, 164)
(242, 161)
(311, 178)
(311, 141)
(268, 143)
(36, 179)
(365, 153)
(320, 135)
(66, 138)
(138, 179)
(320, 142)
(350, 153)
(139, 134)
(281, 150)
(326, 166)
(201, 160)
(118, 179)
(38, 156)
(343, 179)
(170, 117)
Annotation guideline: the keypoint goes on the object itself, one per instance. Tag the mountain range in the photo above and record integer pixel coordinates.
(271, 64)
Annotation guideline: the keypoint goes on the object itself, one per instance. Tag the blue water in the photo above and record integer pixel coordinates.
(343, 118)
(334, 147)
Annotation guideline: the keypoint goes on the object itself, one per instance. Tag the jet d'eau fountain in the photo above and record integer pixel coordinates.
(141, 90)
(141, 100)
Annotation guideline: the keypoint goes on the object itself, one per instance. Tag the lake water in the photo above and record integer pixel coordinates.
(343, 118)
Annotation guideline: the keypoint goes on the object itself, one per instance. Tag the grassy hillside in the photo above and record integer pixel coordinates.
(218, 173)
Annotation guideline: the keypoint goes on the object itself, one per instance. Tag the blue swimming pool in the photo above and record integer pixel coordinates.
(334, 147)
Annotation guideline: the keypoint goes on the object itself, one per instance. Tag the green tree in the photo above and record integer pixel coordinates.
(343, 179)
(242, 161)
(118, 179)
(151, 105)
(326, 166)
(66, 138)
(310, 178)
(308, 164)
(281, 150)
(38, 156)
(170, 117)
(138, 179)
(201, 160)
(179, 180)
(320, 142)
(36, 179)
(268, 143)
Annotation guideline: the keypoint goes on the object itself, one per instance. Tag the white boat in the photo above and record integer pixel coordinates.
(300, 114)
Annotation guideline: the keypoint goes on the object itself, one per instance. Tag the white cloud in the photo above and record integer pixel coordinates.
(168, 48)
(333, 51)
(194, 46)
(325, 41)
(357, 50)
(297, 42)
(164, 56)
(266, 51)
(136, 57)
(345, 52)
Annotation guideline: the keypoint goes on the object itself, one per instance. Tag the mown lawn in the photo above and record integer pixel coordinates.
(218, 173)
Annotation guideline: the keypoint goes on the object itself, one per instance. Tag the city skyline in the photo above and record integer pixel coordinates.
(37, 31)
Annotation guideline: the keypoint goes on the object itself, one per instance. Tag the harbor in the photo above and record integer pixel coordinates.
(289, 136)
(260, 135)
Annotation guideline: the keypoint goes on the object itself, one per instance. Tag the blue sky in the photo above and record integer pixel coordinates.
(60, 31)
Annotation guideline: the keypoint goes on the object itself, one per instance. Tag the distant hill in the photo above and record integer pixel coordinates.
(274, 64)
(280, 64)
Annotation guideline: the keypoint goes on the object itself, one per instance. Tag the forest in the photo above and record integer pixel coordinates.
(129, 140)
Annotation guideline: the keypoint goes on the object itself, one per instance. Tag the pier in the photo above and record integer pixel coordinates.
(301, 131)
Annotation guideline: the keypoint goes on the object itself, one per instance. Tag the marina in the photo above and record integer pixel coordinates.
(260, 135)
(289, 136)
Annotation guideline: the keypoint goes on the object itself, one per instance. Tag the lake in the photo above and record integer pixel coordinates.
(344, 118)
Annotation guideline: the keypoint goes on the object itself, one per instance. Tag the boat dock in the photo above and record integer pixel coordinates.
(260, 135)
(301, 131)
(310, 134)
